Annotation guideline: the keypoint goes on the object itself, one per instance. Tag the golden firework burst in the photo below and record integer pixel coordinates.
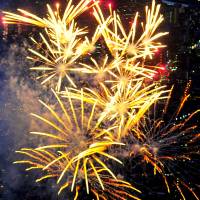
(64, 43)
(122, 44)
(123, 105)
(73, 146)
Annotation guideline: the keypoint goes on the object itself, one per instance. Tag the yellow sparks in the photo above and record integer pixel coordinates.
(100, 71)
(122, 44)
(73, 147)
(124, 105)
(53, 20)
(64, 43)
(126, 72)
(60, 58)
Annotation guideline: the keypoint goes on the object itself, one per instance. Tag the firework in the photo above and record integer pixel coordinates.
(73, 147)
(64, 43)
(167, 145)
(122, 44)
(100, 71)
(62, 56)
(53, 17)
(80, 135)
(124, 105)
(131, 50)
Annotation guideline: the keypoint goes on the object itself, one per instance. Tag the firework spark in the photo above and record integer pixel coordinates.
(64, 43)
(122, 44)
(124, 105)
(100, 71)
(73, 147)
(114, 189)
(165, 145)
(53, 20)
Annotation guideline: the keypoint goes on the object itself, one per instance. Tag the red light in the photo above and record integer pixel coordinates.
(162, 66)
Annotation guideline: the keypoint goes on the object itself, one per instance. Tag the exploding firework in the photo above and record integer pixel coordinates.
(132, 51)
(73, 149)
(80, 135)
(122, 44)
(168, 145)
(63, 44)
(124, 106)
